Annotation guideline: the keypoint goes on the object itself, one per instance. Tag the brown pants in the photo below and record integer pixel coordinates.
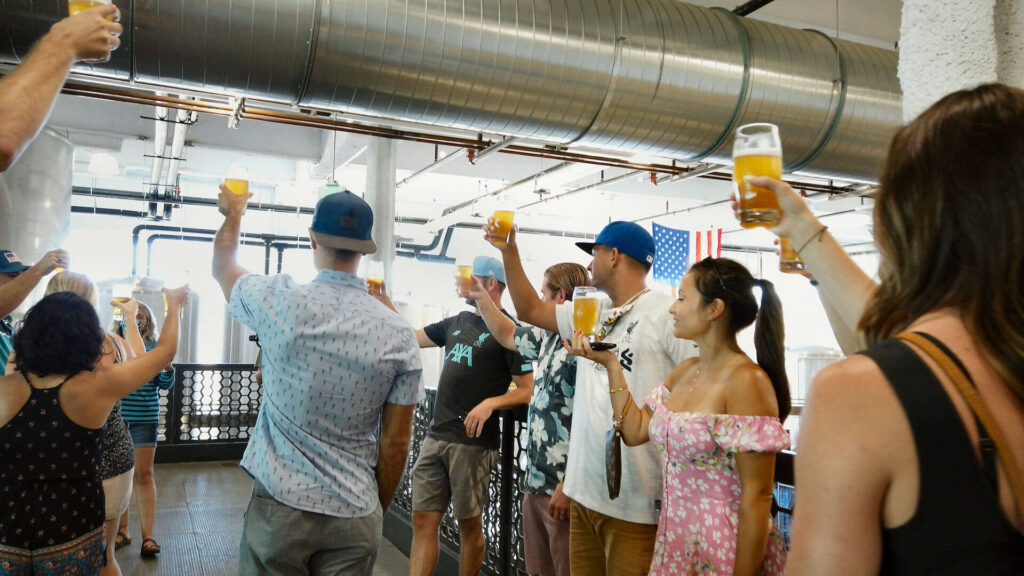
(600, 545)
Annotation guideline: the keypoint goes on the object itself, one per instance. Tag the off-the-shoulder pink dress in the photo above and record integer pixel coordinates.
(700, 510)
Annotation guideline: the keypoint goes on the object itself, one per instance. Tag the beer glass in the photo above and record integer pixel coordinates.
(586, 309)
(757, 151)
(236, 185)
(76, 6)
(789, 260)
(502, 220)
(375, 275)
(121, 293)
(464, 279)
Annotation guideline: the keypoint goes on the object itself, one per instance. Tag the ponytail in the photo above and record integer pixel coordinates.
(769, 342)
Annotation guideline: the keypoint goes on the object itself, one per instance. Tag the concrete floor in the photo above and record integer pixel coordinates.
(199, 523)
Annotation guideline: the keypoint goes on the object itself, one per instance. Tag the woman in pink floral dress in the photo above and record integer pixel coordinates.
(718, 424)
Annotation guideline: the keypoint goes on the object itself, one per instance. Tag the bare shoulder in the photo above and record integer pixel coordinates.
(857, 377)
(749, 392)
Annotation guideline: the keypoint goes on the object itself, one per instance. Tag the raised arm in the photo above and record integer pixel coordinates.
(226, 270)
(396, 432)
(109, 384)
(529, 307)
(14, 292)
(131, 330)
(840, 280)
(501, 327)
(28, 94)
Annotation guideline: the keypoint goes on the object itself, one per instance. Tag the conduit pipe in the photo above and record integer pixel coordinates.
(657, 76)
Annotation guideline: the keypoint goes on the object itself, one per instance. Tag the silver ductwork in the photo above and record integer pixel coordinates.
(652, 76)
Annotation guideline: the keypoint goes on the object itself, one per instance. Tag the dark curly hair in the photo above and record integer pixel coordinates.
(730, 281)
(61, 334)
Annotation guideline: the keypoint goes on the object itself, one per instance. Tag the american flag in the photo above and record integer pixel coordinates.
(712, 244)
(672, 254)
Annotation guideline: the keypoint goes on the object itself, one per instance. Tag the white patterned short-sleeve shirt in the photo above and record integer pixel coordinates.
(332, 357)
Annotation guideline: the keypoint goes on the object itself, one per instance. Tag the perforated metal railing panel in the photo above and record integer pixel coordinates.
(210, 403)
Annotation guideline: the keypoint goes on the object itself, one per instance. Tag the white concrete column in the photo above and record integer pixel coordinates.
(955, 44)
(380, 195)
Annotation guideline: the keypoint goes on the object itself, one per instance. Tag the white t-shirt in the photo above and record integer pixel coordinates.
(648, 350)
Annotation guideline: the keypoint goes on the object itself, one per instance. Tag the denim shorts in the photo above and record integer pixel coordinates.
(143, 433)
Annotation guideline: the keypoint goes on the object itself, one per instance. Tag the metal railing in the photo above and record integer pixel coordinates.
(210, 412)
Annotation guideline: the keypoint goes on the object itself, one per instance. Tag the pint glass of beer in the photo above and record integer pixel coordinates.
(237, 186)
(757, 151)
(585, 309)
(375, 275)
(464, 279)
(76, 6)
(121, 293)
(502, 224)
(789, 260)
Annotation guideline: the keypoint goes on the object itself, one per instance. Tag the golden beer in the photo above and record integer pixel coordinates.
(503, 224)
(118, 313)
(759, 207)
(789, 260)
(76, 6)
(240, 187)
(464, 279)
(584, 314)
(376, 282)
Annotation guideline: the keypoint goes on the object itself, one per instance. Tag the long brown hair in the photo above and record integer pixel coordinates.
(949, 224)
(566, 276)
(732, 283)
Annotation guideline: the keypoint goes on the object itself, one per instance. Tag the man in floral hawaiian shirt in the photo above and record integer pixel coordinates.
(545, 507)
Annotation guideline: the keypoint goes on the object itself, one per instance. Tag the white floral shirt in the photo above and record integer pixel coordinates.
(550, 416)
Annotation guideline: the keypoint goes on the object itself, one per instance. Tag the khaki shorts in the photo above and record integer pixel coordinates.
(449, 471)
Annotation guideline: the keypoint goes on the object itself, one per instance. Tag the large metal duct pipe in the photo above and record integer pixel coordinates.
(656, 76)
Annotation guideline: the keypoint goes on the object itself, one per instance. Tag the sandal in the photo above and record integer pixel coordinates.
(150, 547)
(122, 539)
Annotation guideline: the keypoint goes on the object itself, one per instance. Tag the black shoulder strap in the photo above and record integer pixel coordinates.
(985, 442)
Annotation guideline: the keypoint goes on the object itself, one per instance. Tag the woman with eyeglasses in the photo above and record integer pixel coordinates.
(717, 421)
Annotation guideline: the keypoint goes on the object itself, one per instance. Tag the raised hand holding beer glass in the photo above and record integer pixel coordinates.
(94, 33)
(231, 203)
(499, 236)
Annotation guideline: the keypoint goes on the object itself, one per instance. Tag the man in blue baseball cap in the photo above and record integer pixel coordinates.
(461, 447)
(17, 280)
(610, 536)
(335, 364)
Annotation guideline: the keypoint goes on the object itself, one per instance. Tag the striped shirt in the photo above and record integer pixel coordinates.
(143, 405)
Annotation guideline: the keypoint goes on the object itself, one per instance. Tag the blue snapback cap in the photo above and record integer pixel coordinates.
(488, 267)
(10, 263)
(344, 221)
(627, 237)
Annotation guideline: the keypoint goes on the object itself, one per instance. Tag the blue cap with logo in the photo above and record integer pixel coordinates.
(344, 221)
(627, 237)
(10, 263)
(488, 267)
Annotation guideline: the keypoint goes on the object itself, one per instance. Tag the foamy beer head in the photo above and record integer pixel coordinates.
(757, 151)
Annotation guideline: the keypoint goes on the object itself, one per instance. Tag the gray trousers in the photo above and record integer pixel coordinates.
(279, 540)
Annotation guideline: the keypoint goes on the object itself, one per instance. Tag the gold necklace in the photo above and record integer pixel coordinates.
(693, 383)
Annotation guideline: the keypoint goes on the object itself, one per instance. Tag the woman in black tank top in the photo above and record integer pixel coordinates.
(895, 472)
